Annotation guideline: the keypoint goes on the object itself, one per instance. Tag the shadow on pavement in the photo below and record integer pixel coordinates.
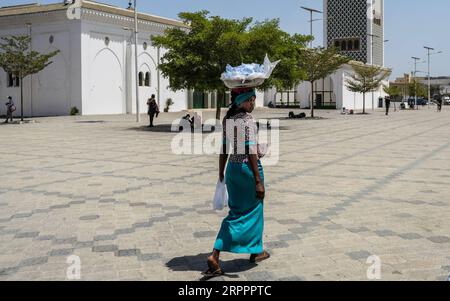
(161, 128)
(197, 263)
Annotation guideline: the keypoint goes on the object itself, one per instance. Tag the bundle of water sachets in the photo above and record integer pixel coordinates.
(248, 75)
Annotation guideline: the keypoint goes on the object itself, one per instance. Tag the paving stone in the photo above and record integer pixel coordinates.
(300, 230)
(287, 222)
(204, 234)
(384, 233)
(149, 257)
(61, 252)
(358, 230)
(104, 237)
(27, 235)
(292, 279)
(89, 217)
(277, 244)
(410, 236)
(440, 239)
(33, 261)
(259, 276)
(288, 237)
(359, 255)
(127, 253)
(122, 232)
(105, 248)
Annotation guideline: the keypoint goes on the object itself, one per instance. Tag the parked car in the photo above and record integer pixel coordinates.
(420, 101)
(446, 100)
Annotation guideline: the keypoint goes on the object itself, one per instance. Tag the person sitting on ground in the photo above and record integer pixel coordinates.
(299, 116)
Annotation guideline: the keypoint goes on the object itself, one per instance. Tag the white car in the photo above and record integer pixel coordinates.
(446, 100)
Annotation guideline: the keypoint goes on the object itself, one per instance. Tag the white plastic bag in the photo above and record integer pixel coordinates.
(221, 196)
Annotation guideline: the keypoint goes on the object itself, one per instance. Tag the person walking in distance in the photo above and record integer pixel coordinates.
(387, 102)
(153, 109)
(10, 108)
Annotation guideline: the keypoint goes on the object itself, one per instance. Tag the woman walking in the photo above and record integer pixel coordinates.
(153, 109)
(241, 232)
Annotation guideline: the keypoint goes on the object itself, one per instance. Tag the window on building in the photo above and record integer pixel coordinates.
(377, 21)
(356, 44)
(350, 44)
(147, 79)
(12, 81)
(141, 79)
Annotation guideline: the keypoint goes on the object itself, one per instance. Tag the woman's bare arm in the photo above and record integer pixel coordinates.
(223, 158)
(260, 190)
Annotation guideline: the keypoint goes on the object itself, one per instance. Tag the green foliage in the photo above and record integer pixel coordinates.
(197, 56)
(74, 111)
(17, 58)
(366, 79)
(416, 87)
(318, 63)
(392, 91)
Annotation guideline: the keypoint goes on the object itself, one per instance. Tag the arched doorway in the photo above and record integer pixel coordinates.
(106, 85)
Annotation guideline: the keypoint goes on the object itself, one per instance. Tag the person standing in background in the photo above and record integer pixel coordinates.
(10, 108)
(153, 109)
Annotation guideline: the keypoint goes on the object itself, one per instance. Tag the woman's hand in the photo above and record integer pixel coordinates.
(260, 191)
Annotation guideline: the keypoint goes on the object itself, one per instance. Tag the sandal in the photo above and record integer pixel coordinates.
(255, 258)
(213, 269)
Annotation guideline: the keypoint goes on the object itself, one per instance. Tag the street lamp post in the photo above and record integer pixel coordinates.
(311, 20)
(130, 6)
(429, 49)
(29, 25)
(415, 80)
(372, 36)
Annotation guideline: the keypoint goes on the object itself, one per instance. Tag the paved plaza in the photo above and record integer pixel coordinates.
(111, 192)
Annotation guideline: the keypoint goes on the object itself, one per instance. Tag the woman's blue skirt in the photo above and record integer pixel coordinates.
(242, 230)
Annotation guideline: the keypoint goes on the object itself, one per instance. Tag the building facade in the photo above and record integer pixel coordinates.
(356, 29)
(94, 70)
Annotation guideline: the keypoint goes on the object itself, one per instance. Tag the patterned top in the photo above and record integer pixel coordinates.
(243, 131)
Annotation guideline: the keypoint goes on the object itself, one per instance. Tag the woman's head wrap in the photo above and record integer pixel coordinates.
(240, 96)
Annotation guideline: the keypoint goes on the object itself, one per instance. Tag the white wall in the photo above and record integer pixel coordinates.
(103, 69)
(343, 97)
(107, 92)
(55, 89)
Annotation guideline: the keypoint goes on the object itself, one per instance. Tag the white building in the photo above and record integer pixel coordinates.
(356, 28)
(94, 70)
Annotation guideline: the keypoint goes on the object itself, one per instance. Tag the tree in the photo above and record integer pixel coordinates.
(366, 79)
(417, 88)
(393, 91)
(17, 58)
(319, 63)
(197, 56)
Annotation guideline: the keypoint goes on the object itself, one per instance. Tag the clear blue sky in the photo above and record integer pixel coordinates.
(409, 24)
